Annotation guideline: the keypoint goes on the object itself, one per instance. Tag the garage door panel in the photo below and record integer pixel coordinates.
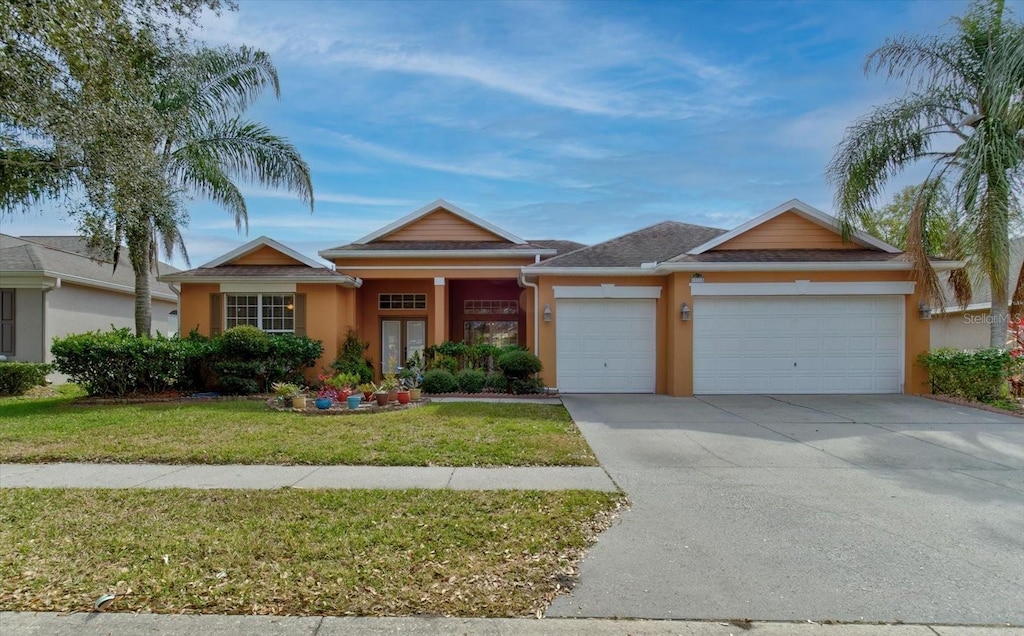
(605, 345)
(813, 344)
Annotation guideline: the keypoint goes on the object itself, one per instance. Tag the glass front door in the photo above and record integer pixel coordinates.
(400, 339)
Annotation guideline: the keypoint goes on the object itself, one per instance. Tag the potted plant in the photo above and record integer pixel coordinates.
(325, 398)
(367, 389)
(354, 401)
(390, 385)
(286, 391)
(380, 394)
(343, 383)
(411, 376)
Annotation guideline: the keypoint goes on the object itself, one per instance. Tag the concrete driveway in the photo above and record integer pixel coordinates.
(851, 508)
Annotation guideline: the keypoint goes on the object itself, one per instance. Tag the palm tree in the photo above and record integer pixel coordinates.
(205, 146)
(963, 113)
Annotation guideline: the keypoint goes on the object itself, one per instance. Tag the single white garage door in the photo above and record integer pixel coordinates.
(798, 344)
(605, 346)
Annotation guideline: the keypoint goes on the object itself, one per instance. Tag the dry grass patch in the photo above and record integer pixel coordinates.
(246, 432)
(296, 552)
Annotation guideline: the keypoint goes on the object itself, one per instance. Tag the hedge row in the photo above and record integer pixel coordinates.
(240, 361)
(18, 377)
(980, 375)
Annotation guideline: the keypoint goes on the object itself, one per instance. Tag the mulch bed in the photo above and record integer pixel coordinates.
(975, 405)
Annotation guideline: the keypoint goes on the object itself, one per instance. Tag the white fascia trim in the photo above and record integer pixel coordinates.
(607, 290)
(857, 266)
(44, 279)
(427, 209)
(257, 243)
(345, 281)
(808, 212)
(435, 253)
(956, 309)
(590, 271)
(802, 288)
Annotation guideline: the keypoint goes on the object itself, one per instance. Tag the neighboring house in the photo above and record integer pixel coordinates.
(968, 327)
(52, 286)
(781, 304)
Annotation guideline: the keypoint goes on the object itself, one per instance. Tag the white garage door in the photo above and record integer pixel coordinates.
(798, 344)
(605, 346)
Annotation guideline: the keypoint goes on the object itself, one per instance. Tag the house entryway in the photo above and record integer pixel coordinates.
(401, 338)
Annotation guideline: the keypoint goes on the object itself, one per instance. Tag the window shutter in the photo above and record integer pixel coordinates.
(300, 314)
(216, 314)
(7, 322)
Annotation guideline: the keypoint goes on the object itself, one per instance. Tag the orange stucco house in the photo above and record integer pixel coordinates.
(781, 304)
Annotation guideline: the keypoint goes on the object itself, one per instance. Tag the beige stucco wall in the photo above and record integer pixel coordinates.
(961, 330)
(28, 325)
(76, 309)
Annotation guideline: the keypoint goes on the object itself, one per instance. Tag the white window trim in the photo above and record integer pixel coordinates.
(802, 288)
(607, 290)
(259, 310)
(257, 288)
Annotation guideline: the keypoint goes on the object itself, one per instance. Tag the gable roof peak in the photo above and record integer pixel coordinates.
(439, 204)
(808, 212)
(255, 244)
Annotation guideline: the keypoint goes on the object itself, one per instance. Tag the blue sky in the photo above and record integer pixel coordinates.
(570, 120)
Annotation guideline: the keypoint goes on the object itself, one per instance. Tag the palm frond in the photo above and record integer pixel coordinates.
(249, 151)
(199, 171)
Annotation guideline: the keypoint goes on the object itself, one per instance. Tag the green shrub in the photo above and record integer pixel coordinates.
(527, 386)
(471, 380)
(974, 375)
(117, 363)
(18, 377)
(247, 360)
(351, 357)
(496, 381)
(439, 381)
(518, 364)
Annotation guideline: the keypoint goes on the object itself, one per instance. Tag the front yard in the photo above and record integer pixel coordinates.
(246, 432)
(353, 552)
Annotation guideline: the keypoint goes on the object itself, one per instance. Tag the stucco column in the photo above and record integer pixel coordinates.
(439, 320)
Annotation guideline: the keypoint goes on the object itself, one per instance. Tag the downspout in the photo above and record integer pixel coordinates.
(42, 318)
(177, 308)
(536, 311)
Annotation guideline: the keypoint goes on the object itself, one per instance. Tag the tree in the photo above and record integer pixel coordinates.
(964, 93)
(204, 146)
(891, 221)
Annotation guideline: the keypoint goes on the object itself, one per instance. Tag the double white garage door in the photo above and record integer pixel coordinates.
(741, 344)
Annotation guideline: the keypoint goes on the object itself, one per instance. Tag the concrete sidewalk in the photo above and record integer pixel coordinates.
(264, 477)
(95, 624)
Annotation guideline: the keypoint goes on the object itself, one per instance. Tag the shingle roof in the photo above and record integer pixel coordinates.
(656, 243)
(66, 256)
(562, 247)
(786, 256)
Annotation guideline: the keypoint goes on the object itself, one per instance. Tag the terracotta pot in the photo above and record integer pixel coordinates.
(403, 397)
(382, 399)
(367, 396)
(415, 394)
(392, 395)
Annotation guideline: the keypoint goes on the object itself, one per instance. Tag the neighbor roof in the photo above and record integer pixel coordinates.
(68, 258)
(981, 292)
(656, 243)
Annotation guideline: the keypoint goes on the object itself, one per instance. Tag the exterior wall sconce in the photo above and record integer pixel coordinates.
(697, 278)
(547, 313)
(684, 312)
(924, 311)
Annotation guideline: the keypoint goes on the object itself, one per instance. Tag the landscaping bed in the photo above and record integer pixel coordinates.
(295, 552)
(246, 432)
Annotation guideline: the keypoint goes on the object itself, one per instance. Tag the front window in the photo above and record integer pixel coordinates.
(273, 313)
(495, 332)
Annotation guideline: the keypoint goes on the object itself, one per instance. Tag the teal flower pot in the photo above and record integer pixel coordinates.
(354, 401)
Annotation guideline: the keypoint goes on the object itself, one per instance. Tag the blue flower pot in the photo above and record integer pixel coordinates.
(354, 401)
(323, 403)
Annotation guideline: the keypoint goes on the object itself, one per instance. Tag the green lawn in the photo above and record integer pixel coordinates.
(247, 432)
(297, 552)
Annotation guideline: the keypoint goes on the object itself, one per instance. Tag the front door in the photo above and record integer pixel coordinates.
(400, 339)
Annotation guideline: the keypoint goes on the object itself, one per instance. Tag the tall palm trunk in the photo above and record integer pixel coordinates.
(139, 249)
